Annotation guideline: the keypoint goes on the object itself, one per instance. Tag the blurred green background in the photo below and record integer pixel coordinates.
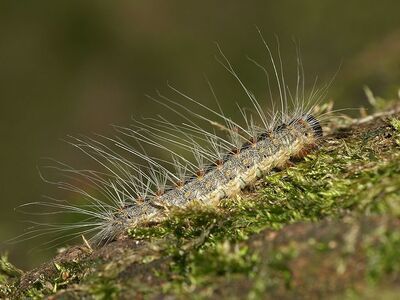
(70, 67)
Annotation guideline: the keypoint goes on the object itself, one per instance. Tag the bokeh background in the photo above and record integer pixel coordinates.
(70, 67)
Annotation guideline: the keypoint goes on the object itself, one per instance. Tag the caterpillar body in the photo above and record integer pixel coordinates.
(127, 193)
(228, 177)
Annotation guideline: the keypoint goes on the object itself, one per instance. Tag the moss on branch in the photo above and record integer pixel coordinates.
(326, 227)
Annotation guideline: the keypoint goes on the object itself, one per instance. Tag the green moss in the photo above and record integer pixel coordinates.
(7, 269)
(68, 273)
(395, 123)
(383, 252)
(8, 274)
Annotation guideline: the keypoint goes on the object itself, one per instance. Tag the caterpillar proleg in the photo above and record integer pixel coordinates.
(132, 186)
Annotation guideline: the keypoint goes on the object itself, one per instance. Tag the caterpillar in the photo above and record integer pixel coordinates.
(133, 187)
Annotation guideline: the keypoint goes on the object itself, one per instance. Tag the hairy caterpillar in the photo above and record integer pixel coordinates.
(126, 193)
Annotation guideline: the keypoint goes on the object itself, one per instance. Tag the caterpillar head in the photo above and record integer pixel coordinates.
(313, 125)
(310, 133)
